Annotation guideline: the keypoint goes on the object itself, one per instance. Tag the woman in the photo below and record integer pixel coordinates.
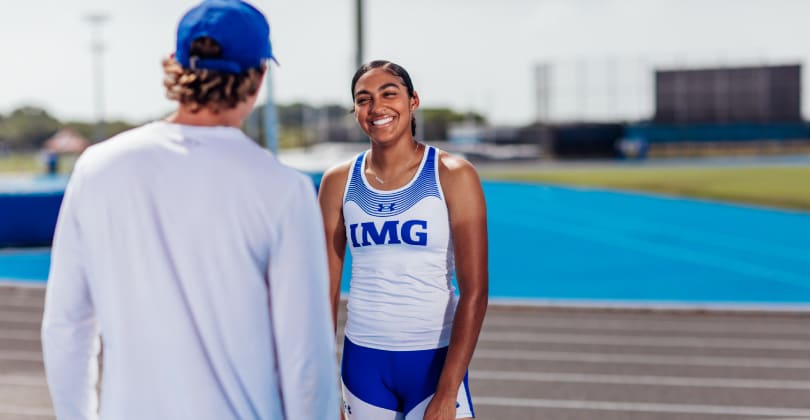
(412, 215)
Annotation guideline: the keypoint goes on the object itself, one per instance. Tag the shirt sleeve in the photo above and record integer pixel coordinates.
(299, 297)
(70, 342)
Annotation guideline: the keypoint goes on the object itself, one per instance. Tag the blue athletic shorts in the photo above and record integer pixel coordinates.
(394, 385)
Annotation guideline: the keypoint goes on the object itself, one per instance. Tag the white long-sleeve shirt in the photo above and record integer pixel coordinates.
(200, 261)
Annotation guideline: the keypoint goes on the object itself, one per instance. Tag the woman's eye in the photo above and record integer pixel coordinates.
(361, 101)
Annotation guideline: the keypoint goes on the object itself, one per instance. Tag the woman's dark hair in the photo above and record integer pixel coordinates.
(210, 89)
(393, 68)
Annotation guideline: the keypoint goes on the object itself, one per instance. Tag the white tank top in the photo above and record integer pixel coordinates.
(401, 295)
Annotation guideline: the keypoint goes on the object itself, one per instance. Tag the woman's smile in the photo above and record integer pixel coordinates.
(382, 121)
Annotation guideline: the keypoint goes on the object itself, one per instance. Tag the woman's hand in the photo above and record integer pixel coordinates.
(441, 408)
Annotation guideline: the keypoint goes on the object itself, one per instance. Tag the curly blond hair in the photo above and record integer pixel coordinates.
(201, 88)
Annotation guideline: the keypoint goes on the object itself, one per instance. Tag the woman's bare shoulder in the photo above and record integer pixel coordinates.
(455, 169)
(334, 179)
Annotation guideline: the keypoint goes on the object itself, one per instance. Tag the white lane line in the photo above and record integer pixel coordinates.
(588, 378)
(10, 316)
(16, 410)
(638, 325)
(22, 284)
(20, 303)
(712, 342)
(35, 292)
(32, 381)
(21, 335)
(26, 310)
(20, 356)
(742, 411)
(642, 359)
(682, 307)
(23, 289)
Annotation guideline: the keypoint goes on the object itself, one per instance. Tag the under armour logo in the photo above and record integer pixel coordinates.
(382, 207)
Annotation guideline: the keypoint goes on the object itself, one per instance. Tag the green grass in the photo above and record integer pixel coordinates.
(30, 163)
(780, 186)
(21, 163)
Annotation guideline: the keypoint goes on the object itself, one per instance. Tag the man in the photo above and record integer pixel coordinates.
(193, 254)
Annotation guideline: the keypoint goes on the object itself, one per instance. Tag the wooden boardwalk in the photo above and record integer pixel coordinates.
(555, 363)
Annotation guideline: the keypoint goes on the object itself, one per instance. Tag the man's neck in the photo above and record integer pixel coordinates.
(205, 117)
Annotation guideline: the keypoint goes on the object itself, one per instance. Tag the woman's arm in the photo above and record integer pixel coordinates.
(330, 198)
(468, 224)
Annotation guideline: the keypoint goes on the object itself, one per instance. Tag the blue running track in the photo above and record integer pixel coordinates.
(562, 243)
(554, 244)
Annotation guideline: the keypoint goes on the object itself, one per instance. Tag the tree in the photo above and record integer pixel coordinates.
(437, 120)
(87, 129)
(27, 128)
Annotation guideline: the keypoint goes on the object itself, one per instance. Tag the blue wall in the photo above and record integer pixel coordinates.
(28, 219)
(660, 133)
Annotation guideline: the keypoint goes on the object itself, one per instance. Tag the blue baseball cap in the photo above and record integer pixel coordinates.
(239, 28)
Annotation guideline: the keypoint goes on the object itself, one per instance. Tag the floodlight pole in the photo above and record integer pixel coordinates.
(359, 33)
(97, 47)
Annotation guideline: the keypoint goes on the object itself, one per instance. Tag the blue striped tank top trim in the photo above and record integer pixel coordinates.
(384, 204)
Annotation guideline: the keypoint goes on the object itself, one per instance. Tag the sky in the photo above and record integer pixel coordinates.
(470, 55)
